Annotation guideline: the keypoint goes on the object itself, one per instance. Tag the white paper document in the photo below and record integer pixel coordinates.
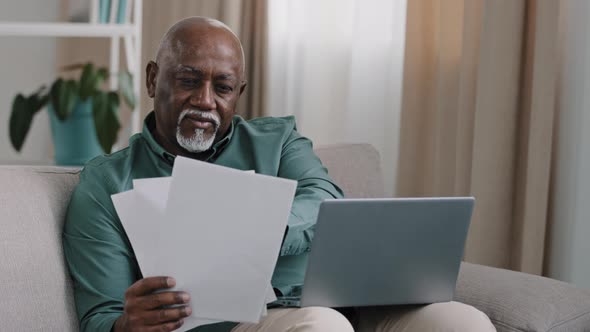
(216, 230)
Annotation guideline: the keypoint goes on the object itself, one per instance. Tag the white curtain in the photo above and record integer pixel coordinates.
(337, 66)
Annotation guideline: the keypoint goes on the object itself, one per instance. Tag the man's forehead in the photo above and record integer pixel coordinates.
(200, 57)
(199, 49)
(228, 74)
(206, 44)
(201, 32)
(198, 40)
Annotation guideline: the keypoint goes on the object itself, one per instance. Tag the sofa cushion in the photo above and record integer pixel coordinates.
(356, 168)
(517, 301)
(36, 291)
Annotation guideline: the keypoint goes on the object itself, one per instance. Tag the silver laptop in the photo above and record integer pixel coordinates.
(369, 252)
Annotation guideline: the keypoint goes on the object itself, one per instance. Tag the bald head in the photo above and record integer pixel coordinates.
(180, 38)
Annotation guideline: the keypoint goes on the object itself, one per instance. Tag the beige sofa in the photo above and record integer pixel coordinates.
(36, 292)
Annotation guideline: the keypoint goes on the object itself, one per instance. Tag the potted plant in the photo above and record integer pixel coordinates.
(84, 116)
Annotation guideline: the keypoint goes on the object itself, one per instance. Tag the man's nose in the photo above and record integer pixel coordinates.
(202, 97)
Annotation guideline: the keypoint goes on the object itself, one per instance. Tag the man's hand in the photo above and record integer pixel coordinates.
(146, 311)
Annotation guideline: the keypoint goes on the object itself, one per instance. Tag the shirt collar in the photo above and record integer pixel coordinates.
(149, 124)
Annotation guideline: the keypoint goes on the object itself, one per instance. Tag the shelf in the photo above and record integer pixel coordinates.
(129, 32)
(65, 29)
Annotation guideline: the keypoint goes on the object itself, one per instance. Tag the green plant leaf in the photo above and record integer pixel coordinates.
(41, 101)
(20, 121)
(63, 96)
(106, 121)
(126, 88)
(90, 80)
(102, 73)
(21, 116)
(37, 100)
(87, 81)
(54, 96)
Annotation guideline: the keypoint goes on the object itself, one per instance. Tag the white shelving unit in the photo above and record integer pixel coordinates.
(130, 34)
(66, 29)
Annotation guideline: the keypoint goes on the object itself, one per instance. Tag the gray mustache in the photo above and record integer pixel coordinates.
(202, 114)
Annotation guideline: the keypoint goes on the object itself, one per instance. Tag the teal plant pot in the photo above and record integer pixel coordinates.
(74, 139)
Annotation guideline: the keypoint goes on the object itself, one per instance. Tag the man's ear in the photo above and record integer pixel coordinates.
(243, 87)
(151, 72)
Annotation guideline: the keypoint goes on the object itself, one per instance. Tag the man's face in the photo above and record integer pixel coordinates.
(196, 86)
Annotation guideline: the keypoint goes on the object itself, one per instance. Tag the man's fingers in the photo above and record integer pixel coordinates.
(148, 285)
(162, 316)
(157, 300)
(170, 326)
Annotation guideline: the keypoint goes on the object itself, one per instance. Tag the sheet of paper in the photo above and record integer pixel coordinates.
(141, 229)
(156, 190)
(142, 222)
(231, 224)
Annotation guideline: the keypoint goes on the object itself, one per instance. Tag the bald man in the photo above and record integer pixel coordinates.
(195, 82)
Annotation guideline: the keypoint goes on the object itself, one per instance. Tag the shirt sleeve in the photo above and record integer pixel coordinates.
(299, 162)
(98, 255)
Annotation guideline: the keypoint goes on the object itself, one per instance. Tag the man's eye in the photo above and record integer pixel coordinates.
(224, 88)
(187, 81)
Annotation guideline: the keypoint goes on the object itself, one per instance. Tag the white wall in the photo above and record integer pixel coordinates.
(26, 63)
(570, 244)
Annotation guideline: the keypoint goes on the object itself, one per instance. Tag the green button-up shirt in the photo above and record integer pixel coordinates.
(98, 252)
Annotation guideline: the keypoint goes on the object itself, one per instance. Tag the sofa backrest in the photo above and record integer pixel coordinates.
(36, 291)
(356, 168)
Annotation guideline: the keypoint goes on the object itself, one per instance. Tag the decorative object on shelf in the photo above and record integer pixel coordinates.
(84, 117)
(99, 11)
(110, 11)
(104, 11)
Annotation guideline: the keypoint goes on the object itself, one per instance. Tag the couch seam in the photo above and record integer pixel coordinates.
(504, 324)
(59, 172)
(568, 320)
(38, 170)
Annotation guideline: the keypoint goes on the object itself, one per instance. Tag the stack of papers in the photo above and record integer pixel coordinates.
(216, 230)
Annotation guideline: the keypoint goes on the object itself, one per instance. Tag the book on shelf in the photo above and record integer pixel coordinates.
(111, 11)
(114, 7)
(124, 9)
(93, 11)
(103, 11)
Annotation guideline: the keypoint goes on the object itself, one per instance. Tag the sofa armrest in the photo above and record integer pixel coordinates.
(517, 301)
